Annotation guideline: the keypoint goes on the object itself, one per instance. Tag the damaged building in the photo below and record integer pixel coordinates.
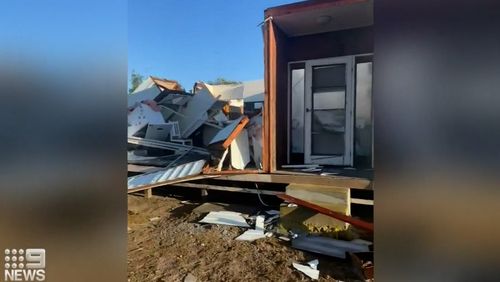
(303, 134)
(313, 124)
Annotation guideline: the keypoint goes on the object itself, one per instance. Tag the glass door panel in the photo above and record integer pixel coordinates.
(328, 110)
(329, 104)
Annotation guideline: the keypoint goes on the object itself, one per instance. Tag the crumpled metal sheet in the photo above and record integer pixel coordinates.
(327, 246)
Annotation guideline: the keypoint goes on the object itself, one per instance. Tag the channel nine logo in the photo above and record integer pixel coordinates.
(24, 265)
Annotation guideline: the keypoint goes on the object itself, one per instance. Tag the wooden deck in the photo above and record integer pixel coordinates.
(229, 181)
(302, 178)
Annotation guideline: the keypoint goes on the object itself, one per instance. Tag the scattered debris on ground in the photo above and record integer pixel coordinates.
(178, 137)
(175, 246)
(311, 269)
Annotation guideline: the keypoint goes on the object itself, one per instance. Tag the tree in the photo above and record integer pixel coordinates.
(135, 80)
(223, 81)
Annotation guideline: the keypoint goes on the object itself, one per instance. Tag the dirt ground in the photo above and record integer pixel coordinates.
(165, 243)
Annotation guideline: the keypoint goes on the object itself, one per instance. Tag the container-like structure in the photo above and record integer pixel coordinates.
(318, 78)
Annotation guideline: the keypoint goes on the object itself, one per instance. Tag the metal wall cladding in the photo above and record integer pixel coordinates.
(180, 171)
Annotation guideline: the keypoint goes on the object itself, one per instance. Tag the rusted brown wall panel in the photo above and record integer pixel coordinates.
(267, 93)
(272, 96)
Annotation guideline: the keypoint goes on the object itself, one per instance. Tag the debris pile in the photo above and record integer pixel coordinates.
(178, 244)
(174, 134)
(263, 224)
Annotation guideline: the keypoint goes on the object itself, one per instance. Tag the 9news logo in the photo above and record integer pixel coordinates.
(24, 265)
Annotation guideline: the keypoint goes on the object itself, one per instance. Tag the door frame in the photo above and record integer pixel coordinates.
(347, 158)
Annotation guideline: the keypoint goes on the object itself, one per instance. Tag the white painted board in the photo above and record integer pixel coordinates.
(194, 114)
(307, 270)
(158, 131)
(225, 218)
(145, 94)
(141, 116)
(224, 133)
(240, 151)
(251, 235)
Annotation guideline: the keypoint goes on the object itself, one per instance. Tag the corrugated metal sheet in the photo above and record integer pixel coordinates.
(164, 176)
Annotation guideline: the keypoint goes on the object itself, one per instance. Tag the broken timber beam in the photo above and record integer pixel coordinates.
(355, 222)
(235, 132)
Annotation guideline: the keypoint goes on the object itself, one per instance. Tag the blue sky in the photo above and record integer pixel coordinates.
(189, 40)
(58, 31)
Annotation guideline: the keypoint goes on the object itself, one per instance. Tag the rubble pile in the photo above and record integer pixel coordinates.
(169, 127)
